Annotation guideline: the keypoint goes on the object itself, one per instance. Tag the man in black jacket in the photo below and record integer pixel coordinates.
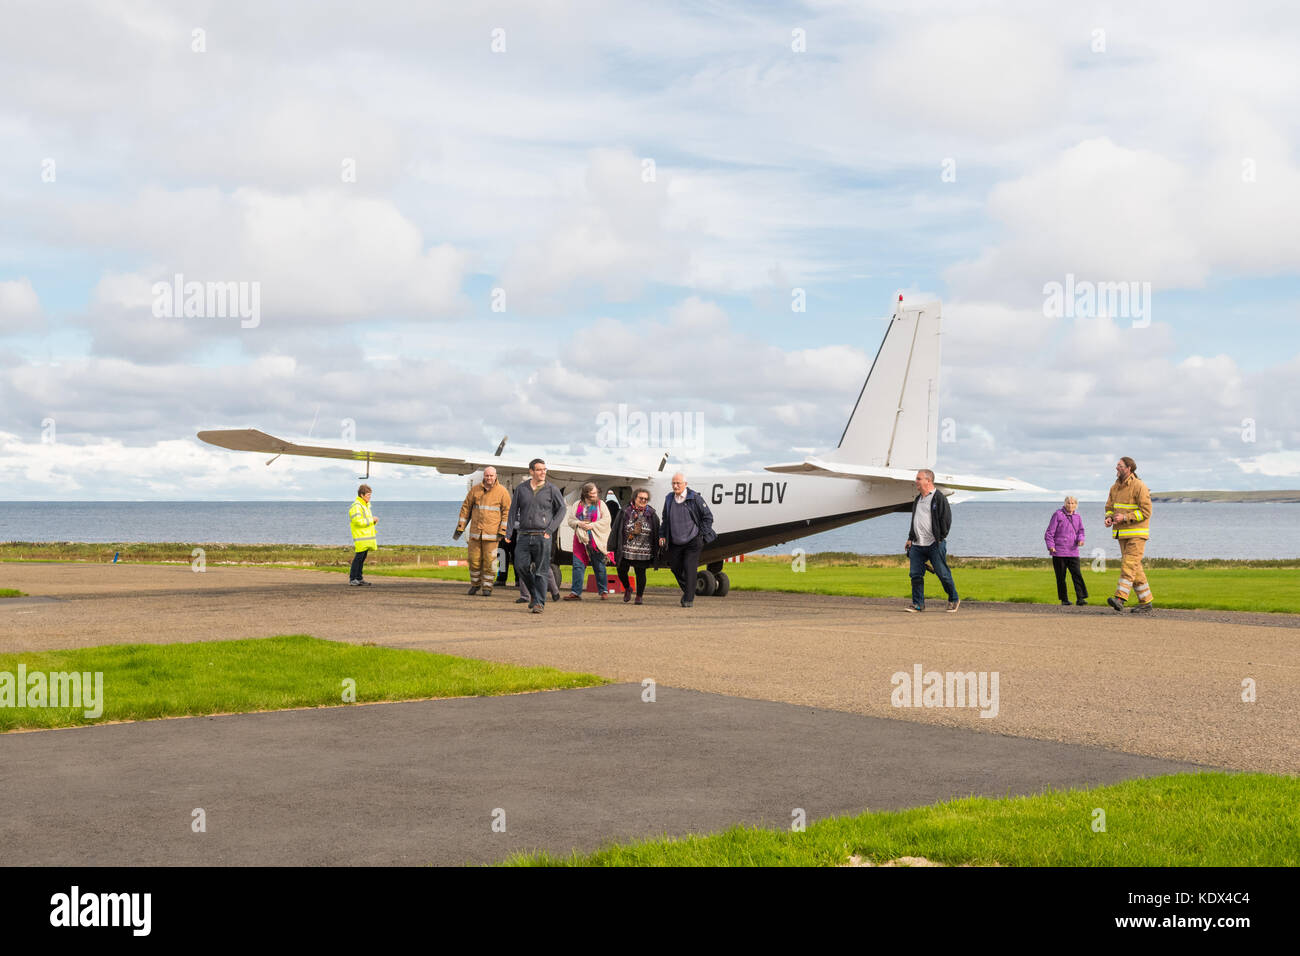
(931, 521)
(685, 528)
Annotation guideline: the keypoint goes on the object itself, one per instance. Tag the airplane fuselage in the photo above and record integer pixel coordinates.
(757, 510)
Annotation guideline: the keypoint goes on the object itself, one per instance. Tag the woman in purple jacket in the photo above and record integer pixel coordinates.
(1064, 538)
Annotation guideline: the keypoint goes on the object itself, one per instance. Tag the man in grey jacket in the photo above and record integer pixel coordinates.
(536, 511)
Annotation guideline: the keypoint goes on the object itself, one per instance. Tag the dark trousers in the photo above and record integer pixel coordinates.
(937, 555)
(640, 567)
(358, 560)
(684, 560)
(1059, 565)
(533, 565)
(503, 567)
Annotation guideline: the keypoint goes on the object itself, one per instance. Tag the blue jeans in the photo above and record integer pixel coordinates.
(936, 554)
(533, 565)
(580, 571)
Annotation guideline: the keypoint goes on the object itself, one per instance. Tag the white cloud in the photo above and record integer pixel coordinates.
(612, 235)
(986, 76)
(1106, 213)
(19, 305)
(1280, 464)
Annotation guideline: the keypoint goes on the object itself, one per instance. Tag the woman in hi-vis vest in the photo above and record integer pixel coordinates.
(363, 535)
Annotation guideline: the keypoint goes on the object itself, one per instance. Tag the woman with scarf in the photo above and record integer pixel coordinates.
(635, 542)
(590, 524)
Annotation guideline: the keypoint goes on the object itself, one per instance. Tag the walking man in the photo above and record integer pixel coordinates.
(1128, 513)
(535, 516)
(486, 509)
(364, 538)
(926, 542)
(686, 527)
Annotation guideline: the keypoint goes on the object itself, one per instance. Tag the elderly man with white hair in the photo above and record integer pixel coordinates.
(685, 528)
(1064, 538)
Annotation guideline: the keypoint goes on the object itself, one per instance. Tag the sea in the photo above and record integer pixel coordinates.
(979, 528)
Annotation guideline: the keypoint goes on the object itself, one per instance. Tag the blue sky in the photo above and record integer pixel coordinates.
(648, 186)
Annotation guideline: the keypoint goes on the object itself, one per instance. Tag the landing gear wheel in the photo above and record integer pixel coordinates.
(724, 585)
(705, 584)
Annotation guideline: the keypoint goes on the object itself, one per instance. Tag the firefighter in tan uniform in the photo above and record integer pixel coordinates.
(485, 509)
(1128, 514)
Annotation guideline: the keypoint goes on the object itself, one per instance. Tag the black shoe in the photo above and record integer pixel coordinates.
(688, 604)
(473, 589)
(1115, 602)
(1081, 603)
(486, 592)
(1142, 608)
(521, 601)
(1065, 603)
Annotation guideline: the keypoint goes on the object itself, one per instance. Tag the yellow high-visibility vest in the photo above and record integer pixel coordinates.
(363, 526)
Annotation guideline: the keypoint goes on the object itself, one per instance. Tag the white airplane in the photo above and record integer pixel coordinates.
(891, 434)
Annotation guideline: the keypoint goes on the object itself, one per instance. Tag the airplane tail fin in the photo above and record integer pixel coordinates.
(895, 423)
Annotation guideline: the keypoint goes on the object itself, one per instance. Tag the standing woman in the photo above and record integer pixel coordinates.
(1064, 538)
(590, 524)
(364, 538)
(635, 542)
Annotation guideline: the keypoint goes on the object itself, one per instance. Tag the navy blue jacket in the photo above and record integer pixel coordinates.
(699, 511)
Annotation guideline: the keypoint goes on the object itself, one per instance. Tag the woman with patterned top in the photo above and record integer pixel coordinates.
(634, 540)
(590, 524)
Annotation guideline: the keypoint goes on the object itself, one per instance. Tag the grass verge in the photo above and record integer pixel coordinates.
(11, 592)
(1257, 585)
(1203, 819)
(146, 681)
(1021, 581)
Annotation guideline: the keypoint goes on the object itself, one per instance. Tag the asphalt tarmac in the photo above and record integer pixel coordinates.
(765, 703)
(424, 782)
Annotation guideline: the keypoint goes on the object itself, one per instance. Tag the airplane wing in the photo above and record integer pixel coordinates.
(815, 466)
(250, 439)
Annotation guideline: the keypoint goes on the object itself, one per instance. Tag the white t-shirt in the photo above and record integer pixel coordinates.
(921, 519)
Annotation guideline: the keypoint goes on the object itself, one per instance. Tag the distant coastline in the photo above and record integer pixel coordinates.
(1255, 497)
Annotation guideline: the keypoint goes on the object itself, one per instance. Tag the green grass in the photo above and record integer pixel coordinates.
(1263, 585)
(145, 681)
(1257, 586)
(293, 555)
(1206, 819)
(11, 592)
